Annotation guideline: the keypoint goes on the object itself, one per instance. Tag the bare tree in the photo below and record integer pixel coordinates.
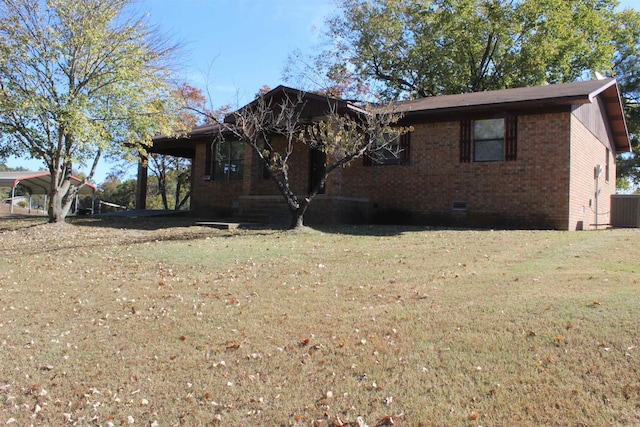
(274, 125)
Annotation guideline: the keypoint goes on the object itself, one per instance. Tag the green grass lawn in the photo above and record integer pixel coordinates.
(156, 322)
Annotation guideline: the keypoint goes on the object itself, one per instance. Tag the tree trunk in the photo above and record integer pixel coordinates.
(163, 192)
(183, 201)
(59, 206)
(59, 202)
(297, 214)
(55, 211)
(176, 204)
(297, 219)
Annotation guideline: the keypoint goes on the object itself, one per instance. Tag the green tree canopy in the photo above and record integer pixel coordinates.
(411, 48)
(626, 67)
(79, 79)
(113, 190)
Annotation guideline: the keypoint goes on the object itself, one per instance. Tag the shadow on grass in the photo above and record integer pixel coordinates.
(165, 222)
(371, 230)
(16, 222)
(155, 223)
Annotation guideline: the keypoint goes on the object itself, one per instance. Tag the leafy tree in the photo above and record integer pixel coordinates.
(263, 91)
(115, 191)
(275, 124)
(79, 78)
(412, 49)
(626, 67)
(173, 172)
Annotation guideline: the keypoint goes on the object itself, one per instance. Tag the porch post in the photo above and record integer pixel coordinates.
(13, 194)
(141, 186)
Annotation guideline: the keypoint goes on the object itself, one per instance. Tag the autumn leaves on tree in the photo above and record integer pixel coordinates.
(79, 80)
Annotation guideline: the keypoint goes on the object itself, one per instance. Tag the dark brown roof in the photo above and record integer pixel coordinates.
(182, 145)
(537, 97)
(529, 97)
(568, 93)
(316, 105)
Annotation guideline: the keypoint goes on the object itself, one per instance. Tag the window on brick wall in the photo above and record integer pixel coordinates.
(208, 154)
(267, 153)
(226, 161)
(395, 150)
(489, 140)
(607, 166)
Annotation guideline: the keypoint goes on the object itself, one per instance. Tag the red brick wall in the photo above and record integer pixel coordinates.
(213, 198)
(548, 186)
(298, 171)
(529, 192)
(222, 198)
(586, 153)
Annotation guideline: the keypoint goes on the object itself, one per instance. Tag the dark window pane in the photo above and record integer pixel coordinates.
(236, 161)
(229, 163)
(489, 129)
(390, 152)
(488, 136)
(236, 169)
(489, 151)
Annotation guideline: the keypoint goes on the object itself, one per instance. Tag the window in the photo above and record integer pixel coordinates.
(394, 151)
(493, 140)
(228, 162)
(268, 156)
(488, 140)
(607, 166)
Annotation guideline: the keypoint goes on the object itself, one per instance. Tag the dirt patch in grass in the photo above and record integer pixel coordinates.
(157, 322)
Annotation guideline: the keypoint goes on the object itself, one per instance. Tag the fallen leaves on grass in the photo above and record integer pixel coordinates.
(140, 332)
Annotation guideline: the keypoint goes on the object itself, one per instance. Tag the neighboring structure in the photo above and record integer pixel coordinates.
(37, 183)
(537, 157)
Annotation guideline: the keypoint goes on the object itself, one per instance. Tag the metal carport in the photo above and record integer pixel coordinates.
(37, 183)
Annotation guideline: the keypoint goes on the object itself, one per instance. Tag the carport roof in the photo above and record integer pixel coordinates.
(39, 182)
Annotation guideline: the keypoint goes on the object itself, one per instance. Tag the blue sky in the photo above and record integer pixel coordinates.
(233, 47)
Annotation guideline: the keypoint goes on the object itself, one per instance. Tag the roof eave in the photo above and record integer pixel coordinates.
(617, 120)
(520, 105)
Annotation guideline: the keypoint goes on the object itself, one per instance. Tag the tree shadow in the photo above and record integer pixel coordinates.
(376, 230)
(152, 223)
(17, 222)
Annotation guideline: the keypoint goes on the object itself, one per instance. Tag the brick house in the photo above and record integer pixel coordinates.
(536, 157)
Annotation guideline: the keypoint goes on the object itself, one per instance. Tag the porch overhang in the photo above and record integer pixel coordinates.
(184, 145)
